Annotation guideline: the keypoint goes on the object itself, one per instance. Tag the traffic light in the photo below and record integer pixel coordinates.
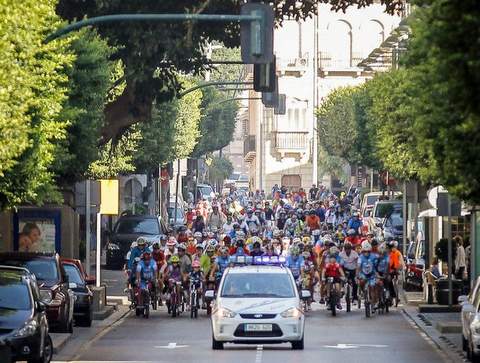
(270, 99)
(256, 36)
(264, 76)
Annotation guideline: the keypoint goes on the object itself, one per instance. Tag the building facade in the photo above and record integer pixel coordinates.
(313, 58)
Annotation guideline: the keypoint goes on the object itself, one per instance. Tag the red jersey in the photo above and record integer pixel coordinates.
(332, 270)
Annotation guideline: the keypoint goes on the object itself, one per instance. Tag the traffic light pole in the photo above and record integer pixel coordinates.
(257, 20)
(210, 84)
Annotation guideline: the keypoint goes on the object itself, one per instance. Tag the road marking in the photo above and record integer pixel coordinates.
(170, 346)
(355, 346)
(258, 356)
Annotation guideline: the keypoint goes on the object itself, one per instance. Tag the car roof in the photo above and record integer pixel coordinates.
(16, 269)
(137, 216)
(25, 256)
(257, 269)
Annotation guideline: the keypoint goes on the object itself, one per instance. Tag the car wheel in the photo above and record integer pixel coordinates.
(86, 321)
(298, 344)
(47, 352)
(475, 358)
(464, 343)
(216, 345)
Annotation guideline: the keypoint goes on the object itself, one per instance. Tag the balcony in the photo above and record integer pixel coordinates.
(291, 142)
(328, 63)
(294, 66)
(249, 148)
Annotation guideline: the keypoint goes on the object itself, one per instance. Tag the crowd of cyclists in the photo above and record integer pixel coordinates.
(321, 237)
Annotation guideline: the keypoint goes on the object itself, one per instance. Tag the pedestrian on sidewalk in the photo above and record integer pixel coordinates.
(460, 259)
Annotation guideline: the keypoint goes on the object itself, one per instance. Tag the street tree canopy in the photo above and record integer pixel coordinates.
(154, 54)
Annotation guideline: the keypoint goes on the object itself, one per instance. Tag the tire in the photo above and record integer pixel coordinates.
(298, 345)
(464, 343)
(146, 311)
(174, 310)
(216, 345)
(138, 311)
(348, 301)
(47, 352)
(367, 309)
(475, 358)
(333, 305)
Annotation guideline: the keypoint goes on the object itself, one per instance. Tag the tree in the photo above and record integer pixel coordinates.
(219, 170)
(155, 53)
(89, 83)
(172, 133)
(33, 88)
(217, 123)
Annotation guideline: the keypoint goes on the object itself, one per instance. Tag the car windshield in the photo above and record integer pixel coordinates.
(73, 274)
(14, 293)
(205, 191)
(138, 226)
(396, 218)
(384, 209)
(43, 269)
(234, 176)
(371, 199)
(243, 178)
(258, 285)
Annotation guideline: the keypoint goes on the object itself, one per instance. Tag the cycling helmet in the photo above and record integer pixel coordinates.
(254, 231)
(286, 240)
(294, 251)
(276, 233)
(240, 235)
(306, 254)
(392, 244)
(224, 250)
(306, 239)
(163, 237)
(212, 242)
(196, 264)
(199, 245)
(141, 241)
(366, 246)
(172, 242)
(174, 259)
(296, 241)
(133, 245)
(197, 235)
(347, 245)
(316, 232)
(182, 246)
(156, 245)
(210, 248)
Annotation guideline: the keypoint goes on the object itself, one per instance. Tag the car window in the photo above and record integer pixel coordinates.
(396, 218)
(384, 209)
(137, 226)
(205, 191)
(258, 285)
(43, 269)
(171, 212)
(14, 292)
(371, 199)
(73, 274)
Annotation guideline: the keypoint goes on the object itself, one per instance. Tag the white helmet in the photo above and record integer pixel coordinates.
(316, 232)
(212, 242)
(133, 245)
(366, 246)
(197, 235)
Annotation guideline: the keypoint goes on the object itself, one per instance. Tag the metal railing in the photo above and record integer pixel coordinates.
(291, 140)
(327, 62)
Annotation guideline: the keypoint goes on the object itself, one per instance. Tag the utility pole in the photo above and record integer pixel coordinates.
(87, 226)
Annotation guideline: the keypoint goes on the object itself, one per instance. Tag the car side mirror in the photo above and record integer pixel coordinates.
(305, 295)
(72, 285)
(209, 295)
(462, 299)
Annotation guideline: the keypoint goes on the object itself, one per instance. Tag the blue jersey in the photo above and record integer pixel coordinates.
(147, 271)
(295, 265)
(382, 264)
(367, 264)
(136, 252)
(222, 263)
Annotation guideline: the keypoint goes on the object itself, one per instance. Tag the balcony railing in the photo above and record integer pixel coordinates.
(327, 62)
(291, 140)
(248, 144)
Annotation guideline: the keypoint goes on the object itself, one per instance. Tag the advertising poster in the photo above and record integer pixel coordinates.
(36, 235)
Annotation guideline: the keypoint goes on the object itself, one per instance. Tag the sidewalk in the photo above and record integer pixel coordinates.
(69, 347)
(442, 328)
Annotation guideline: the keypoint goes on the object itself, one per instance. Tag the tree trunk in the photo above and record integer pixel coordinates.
(124, 112)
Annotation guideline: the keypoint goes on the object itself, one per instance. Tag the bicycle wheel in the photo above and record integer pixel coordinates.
(348, 299)
(368, 311)
(193, 305)
(333, 303)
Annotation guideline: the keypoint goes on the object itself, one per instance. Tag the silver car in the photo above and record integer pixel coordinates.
(471, 322)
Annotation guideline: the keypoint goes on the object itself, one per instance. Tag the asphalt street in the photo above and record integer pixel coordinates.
(348, 337)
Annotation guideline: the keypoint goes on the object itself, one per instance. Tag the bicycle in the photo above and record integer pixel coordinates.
(333, 296)
(173, 304)
(194, 298)
(394, 277)
(348, 295)
(365, 295)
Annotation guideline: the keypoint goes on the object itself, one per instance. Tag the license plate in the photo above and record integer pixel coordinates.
(258, 327)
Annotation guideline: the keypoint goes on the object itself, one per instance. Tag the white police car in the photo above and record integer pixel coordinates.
(257, 304)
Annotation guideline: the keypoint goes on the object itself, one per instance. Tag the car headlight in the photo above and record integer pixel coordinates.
(225, 313)
(29, 328)
(113, 246)
(475, 326)
(291, 313)
(46, 296)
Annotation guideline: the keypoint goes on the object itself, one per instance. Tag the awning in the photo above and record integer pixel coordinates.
(432, 212)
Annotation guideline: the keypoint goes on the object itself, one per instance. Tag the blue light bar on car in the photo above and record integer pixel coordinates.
(257, 260)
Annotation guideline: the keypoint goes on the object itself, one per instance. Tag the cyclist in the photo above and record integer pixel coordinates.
(366, 273)
(333, 269)
(296, 264)
(395, 268)
(382, 268)
(221, 263)
(349, 261)
(146, 273)
(196, 278)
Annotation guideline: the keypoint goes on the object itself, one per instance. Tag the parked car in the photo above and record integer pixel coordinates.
(24, 334)
(415, 265)
(470, 316)
(53, 283)
(127, 229)
(89, 279)
(82, 309)
(181, 218)
(242, 182)
(369, 200)
(381, 210)
(205, 191)
(393, 224)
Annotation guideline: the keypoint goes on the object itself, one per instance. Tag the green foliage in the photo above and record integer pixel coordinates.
(172, 133)
(89, 82)
(33, 87)
(116, 158)
(226, 72)
(220, 169)
(331, 165)
(217, 123)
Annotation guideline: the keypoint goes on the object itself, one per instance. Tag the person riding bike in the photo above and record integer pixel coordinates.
(146, 273)
(395, 265)
(349, 261)
(383, 262)
(334, 270)
(196, 278)
(366, 271)
(221, 263)
(173, 278)
(295, 263)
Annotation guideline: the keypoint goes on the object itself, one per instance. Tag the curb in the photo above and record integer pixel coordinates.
(59, 341)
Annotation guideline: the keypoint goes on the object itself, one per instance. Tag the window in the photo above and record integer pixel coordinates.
(14, 293)
(295, 120)
(257, 285)
(73, 274)
(340, 44)
(138, 226)
(373, 34)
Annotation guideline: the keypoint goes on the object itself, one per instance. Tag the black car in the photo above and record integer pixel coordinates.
(82, 310)
(53, 284)
(23, 320)
(127, 229)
